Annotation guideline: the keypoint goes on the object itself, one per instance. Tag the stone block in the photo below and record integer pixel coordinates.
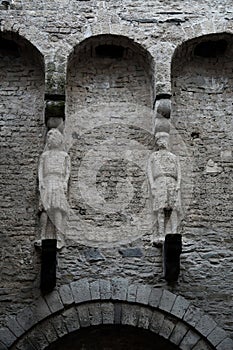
(226, 344)
(81, 291)
(25, 344)
(216, 336)
(132, 293)
(14, 326)
(155, 297)
(26, 318)
(49, 331)
(95, 290)
(107, 310)
(7, 337)
(156, 322)
(144, 319)
(206, 325)
(41, 309)
(189, 341)
(59, 326)
(180, 307)
(167, 327)
(178, 333)
(167, 300)
(95, 314)
(105, 289)
(54, 301)
(130, 314)
(143, 293)
(71, 319)
(193, 315)
(37, 338)
(202, 345)
(119, 288)
(131, 253)
(66, 295)
(84, 317)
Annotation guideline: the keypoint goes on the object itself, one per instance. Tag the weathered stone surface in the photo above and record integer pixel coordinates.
(84, 317)
(130, 315)
(54, 301)
(105, 289)
(155, 297)
(178, 333)
(14, 326)
(97, 96)
(145, 316)
(132, 293)
(180, 307)
(167, 300)
(156, 321)
(202, 345)
(95, 314)
(71, 319)
(7, 337)
(81, 291)
(131, 253)
(143, 293)
(93, 255)
(95, 290)
(107, 310)
(206, 325)
(66, 295)
(167, 327)
(226, 344)
(59, 325)
(189, 340)
(216, 336)
(119, 288)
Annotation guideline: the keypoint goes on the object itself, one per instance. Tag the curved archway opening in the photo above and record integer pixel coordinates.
(112, 337)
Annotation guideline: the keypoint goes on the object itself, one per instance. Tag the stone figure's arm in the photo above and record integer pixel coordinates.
(150, 172)
(41, 171)
(178, 174)
(67, 171)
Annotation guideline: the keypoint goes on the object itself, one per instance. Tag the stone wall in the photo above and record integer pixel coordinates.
(109, 132)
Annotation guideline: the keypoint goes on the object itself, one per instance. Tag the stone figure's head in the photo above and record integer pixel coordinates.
(54, 139)
(162, 140)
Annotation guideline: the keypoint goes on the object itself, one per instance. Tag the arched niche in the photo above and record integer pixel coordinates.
(109, 100)
(21, 130)
(202, 95)
(109, 70)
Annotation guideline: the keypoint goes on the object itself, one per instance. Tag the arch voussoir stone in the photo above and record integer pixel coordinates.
(85, 303)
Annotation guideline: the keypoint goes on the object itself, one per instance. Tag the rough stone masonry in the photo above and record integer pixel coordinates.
(107, 62)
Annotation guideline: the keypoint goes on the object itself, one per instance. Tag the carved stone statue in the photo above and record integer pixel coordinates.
(54, 172)
(164, 177)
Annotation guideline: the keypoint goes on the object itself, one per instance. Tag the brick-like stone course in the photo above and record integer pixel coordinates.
(202, 115)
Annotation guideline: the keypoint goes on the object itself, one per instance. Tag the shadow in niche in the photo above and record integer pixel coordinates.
(112, 338)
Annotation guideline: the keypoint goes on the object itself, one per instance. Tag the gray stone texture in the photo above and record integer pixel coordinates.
(81, 290)
(201, 119)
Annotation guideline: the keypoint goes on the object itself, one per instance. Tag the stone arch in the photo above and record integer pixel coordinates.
(109, 87)
(86, 303)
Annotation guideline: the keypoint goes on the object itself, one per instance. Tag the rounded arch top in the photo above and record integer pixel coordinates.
(32, 35)
(86, 303)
